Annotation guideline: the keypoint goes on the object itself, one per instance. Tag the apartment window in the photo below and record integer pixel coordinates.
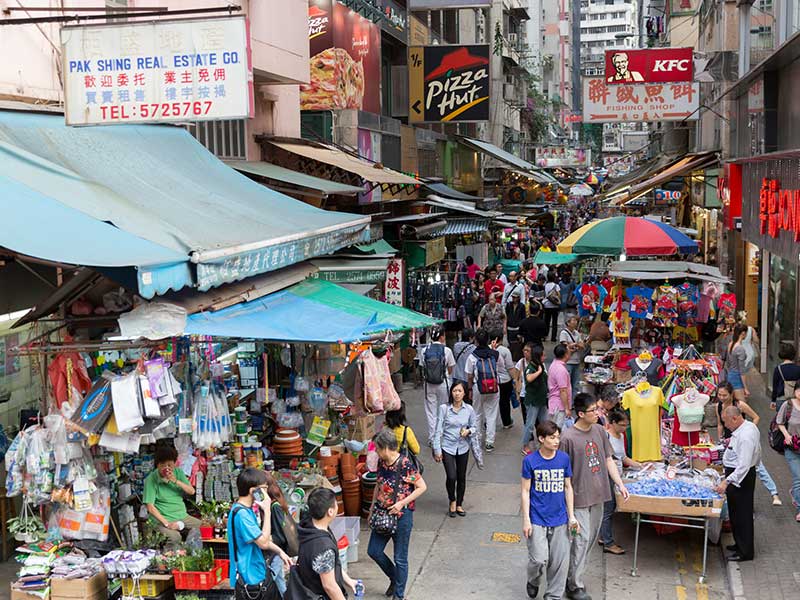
(225, 139)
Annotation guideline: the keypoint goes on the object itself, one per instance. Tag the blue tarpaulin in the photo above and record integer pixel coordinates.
(311, 311)
(154, 198)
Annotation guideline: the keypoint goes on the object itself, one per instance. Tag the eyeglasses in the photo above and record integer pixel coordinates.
(588, 410)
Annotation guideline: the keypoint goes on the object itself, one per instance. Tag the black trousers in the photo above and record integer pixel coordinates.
(551, 322)
(740, 507)
(455, 469)
(506, 389)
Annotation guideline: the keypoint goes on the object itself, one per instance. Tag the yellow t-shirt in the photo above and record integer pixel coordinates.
(411, 439)
(645, 423)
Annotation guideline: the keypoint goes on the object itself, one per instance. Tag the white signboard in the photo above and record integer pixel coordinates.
(561, 156)
(639, 102)
(155, 72)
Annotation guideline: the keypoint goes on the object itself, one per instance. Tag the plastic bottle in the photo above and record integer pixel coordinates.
(359, 589)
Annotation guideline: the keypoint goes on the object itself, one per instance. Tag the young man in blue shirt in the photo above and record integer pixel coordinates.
(248, 565)
(547, 512)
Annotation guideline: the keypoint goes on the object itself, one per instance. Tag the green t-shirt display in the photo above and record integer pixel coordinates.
(167, 497)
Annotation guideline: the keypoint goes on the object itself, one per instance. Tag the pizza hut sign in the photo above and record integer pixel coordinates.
(778, 210)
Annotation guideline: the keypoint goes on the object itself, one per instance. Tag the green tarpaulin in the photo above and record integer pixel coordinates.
(555, 258)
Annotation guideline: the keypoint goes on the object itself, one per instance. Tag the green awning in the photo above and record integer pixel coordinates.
(379, 247)
(555, 258)
(276, 173)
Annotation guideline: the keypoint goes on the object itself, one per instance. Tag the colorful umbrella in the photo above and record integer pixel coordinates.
(632, 236)
(592, 179)
(581, 189)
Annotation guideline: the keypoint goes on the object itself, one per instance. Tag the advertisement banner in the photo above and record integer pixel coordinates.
(651, 65)
(395, 19)
(448, 83)
(395, 285)
(446, 4)
(603, 103)
(157, 72)
(345, 63)
(559, 156)
(666, 197)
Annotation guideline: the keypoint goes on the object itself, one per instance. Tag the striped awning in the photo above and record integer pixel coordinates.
(460, 227)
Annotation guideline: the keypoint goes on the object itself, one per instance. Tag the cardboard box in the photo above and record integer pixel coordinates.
(678, 507)
(19, 595)
(99, 595)
(79, 588)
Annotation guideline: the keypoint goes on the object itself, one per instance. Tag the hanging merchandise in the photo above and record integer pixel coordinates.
(665, 298)
(68, 371)
(211, 426)
(591, 296)
(641, 301)
(688, 297)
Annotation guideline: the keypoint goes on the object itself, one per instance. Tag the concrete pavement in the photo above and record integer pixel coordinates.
(458, 558)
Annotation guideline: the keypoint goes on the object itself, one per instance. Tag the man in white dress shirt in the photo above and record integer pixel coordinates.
(740, 460)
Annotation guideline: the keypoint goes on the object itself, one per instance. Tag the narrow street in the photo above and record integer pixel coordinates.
(458, 558)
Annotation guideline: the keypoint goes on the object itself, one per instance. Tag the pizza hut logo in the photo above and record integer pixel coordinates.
(457, 84)
(318, 21)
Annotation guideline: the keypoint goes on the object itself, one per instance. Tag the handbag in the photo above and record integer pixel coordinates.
(297, 590)
(788, 386)
(406, 451)
(265, 590)
(381, 521)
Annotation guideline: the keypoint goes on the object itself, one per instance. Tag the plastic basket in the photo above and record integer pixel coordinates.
(197, 580)
(225, 565)
(148, 588)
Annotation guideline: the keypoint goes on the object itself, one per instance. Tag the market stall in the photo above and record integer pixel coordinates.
(291, 382)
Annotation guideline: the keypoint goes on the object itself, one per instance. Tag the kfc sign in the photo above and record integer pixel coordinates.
(656, 65)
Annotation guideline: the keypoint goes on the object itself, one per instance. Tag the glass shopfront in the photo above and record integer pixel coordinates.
(781, 318)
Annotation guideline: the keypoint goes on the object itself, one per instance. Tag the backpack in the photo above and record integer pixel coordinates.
(486, 371)
(776, 440)
(554, 295)
(434, 364)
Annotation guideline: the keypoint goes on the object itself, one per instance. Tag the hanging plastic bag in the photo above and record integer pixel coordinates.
(150, 406)
(125, 397)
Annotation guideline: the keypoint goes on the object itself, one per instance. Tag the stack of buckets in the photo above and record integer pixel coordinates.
(329, 461)
(351, 486)
(368, 481)
(241, 428)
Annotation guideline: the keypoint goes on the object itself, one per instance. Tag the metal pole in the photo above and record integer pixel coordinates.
(638, 519)
(705, 549)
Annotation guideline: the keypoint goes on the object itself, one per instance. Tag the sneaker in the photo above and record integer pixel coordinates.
(509, 426)
(579, 595)
(533, 590)
(489, 447)
(776, 500)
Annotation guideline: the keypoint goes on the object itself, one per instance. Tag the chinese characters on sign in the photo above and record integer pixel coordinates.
(448, 83)
(603, 103)
(652, 65)
(561, 156)
(189, 70)
(778, 209)
(395, 282)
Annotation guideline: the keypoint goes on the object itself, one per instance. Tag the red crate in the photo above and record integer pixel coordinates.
(225, 564)
(200, 580)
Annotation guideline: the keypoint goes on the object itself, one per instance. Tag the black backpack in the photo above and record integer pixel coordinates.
(776, 439)
(434, 364)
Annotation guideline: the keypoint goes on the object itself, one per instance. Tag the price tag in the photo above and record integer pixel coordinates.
(184, 426)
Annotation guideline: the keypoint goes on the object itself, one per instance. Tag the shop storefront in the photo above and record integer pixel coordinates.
(770, 194)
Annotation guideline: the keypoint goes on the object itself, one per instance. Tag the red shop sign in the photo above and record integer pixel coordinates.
(778, 210)
(652, 65)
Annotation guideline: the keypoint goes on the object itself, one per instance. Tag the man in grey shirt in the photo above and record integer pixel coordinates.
(740, 460)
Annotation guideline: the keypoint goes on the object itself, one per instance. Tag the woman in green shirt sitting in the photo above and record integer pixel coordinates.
(164, 489)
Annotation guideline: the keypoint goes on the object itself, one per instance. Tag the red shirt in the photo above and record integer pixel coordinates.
(472, 270)
(488, 285)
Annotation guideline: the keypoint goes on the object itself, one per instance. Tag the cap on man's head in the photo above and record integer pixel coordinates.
(516, 294)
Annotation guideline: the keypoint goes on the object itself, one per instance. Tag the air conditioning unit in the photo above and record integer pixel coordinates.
(509, 93)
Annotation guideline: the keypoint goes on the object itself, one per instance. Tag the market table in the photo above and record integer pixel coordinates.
(694, 510)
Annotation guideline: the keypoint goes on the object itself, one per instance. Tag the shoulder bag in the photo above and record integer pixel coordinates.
(406, 451)
(267, 589)
(381, 521)
(788, 386)
(776, 439)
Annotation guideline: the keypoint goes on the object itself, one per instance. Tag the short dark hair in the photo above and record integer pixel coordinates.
(537, 353)
(437, 332)
(250, 478)
(551, 276)
(787, 351)
(165, 454)
(482, 337)
(582, 401)
(467, 334)
(396, 418)
(469, 261)
(618, 415)
(319, 502)
(452, 387)
(560, 351)
(497, 334)
(546, 429)
(536, 307)
(490, 270)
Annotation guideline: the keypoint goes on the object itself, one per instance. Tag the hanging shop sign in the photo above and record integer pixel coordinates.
(345, 59)
(560, 156)
(448, 83)
(778, 209)
(157, 72)
(666, 197)
(651, 65)
(351, 275)
(394, 288)
(643, 102)
(434, 251)
(395, 19)
(683, 7)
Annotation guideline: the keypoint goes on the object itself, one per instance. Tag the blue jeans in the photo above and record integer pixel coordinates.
(793, 460)
(276, 567)
(535, 415)
(765, 478)
(606, 528)
(397, 572)
(574, 377)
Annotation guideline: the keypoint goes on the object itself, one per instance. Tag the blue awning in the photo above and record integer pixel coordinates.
(311, 311)
(460, 227)
(154, 198)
